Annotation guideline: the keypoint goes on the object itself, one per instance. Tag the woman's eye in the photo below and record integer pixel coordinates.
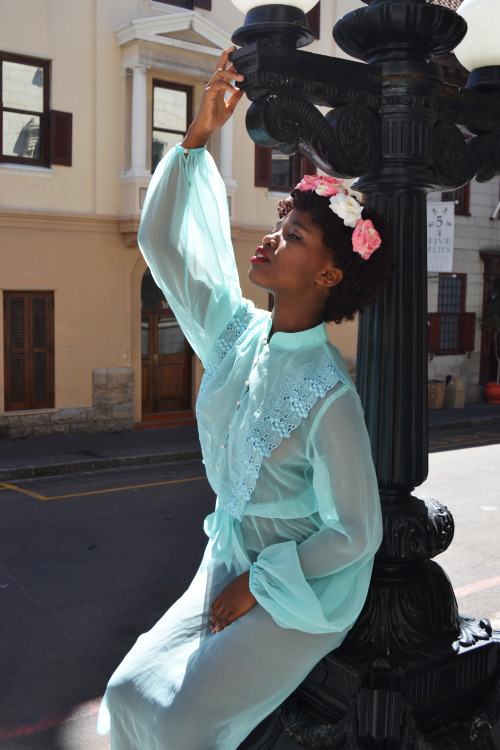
(292, 236)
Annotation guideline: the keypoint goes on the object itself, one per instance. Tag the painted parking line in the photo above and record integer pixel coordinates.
(24, 492)
(52, 720)
(471, 588)
(98, 492)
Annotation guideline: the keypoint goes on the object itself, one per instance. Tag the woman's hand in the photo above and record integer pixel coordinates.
(233, 602)
(214, 109)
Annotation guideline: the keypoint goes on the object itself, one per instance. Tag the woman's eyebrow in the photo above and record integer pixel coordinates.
(299, 224)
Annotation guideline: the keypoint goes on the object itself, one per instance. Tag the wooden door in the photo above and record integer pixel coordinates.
(166, 363)
(491, 287)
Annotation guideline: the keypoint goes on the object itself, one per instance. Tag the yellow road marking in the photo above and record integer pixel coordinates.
(98, 492)
(24, 492)
(119, 489)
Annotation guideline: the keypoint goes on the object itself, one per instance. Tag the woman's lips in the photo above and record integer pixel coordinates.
(260, 256)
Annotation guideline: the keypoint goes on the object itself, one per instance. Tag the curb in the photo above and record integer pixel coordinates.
(465, 423)
(95, 464)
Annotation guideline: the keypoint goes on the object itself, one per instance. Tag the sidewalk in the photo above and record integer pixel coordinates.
(21, 459)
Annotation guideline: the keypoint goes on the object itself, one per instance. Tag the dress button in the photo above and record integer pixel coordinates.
(223, 446)
(238, 403)
(247, 382)
(255, 361)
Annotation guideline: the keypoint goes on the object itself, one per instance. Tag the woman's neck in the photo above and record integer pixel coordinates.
(295, 317)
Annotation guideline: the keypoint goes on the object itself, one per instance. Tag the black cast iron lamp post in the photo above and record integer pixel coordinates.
(413, 673)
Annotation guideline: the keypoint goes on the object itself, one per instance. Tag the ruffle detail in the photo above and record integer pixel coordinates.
(224, 351)
(275, 420)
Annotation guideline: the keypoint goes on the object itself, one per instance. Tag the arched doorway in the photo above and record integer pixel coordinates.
(166, 354)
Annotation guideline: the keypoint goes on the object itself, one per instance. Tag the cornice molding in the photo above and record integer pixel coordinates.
(18, 218)
(156, 30)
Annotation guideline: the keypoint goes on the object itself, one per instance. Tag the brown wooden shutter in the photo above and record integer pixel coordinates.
(469, 332)
(15, 338)
(61, 138)
(434, 332)
(262, 166)
(314, 21)
(41, 346)
(29, 350)
(307, 166)
(203, 4)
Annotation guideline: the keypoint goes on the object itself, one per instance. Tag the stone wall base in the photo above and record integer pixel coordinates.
(112, 410)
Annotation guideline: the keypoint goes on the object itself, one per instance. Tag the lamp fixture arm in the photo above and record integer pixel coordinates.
(345, 143)
(457, 161)
(330, 82)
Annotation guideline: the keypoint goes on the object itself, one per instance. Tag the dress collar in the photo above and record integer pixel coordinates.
(301, 339)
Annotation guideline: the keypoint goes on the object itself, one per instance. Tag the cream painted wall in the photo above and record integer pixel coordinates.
(64, 33)
(87, 266)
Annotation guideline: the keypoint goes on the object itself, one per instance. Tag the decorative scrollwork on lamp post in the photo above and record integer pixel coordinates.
(411, 665)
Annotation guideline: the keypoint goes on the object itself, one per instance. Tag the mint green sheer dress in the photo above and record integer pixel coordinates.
(287, 454)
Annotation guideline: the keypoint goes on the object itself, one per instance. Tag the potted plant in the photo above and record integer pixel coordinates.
(491, 323)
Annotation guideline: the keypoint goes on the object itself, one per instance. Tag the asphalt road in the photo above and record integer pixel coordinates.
(90, 561)
(87, 563)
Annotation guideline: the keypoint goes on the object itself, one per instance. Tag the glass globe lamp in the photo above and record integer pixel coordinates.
(280, 24)
(479, 51)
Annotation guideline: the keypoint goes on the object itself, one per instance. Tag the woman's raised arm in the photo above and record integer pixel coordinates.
(185, 234)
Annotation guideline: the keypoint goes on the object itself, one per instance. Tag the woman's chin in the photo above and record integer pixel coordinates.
(253, 276)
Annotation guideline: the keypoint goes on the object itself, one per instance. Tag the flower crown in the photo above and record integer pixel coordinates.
(365, 238)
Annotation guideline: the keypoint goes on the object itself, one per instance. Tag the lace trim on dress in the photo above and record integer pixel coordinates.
(275, 420)
(224, 348)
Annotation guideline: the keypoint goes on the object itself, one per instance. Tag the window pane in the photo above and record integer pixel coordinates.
(450, 294)
(21, 135)
(170, 109)
(281, 169)
(163, 142)
(151, 295)
(145, 337)
(170, 337)
(449, 332)
(22, 86)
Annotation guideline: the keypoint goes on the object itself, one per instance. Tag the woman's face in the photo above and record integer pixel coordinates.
(293, 257)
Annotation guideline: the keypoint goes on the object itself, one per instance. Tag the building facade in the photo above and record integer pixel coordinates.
(93, 94)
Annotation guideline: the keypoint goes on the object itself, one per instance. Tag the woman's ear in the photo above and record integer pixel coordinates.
(331, 277)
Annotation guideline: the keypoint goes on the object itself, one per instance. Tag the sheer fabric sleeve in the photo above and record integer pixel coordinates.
(185, 238)
(320, 585)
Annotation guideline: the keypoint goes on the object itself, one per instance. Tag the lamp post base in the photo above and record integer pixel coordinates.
(451, 703)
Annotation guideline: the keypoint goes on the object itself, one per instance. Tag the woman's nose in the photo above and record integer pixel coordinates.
(269, 239)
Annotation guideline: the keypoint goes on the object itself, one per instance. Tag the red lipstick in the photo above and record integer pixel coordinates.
(260, 256)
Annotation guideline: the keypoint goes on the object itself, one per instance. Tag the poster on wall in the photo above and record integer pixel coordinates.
(440, 235)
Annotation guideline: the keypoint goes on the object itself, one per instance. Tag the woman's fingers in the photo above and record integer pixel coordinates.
(224, 58)
(216, 106)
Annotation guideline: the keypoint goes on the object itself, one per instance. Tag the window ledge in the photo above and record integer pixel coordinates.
(26, 170)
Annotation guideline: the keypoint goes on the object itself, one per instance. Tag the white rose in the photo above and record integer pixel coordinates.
(347, 208)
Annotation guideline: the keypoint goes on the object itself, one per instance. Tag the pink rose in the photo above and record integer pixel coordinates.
(365, 238)
(322, 185)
